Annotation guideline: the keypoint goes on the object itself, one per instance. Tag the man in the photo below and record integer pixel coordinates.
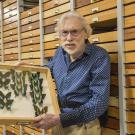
(82, 74)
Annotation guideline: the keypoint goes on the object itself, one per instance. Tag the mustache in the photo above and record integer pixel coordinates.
(68, 43)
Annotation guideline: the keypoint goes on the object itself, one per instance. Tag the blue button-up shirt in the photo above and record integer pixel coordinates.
(82, 85)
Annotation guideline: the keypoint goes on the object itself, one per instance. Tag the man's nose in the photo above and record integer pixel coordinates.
(69, 37)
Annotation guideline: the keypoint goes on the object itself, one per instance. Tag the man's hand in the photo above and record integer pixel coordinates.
(46, 121)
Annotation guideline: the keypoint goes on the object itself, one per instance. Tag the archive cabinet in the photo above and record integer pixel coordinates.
(31, 36)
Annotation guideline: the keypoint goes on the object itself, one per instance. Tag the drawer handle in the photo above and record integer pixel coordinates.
(30, 27)
(94, 10)
(29, 13)
(55, 29)
(56, 37)
(56, 2)
(57, 11)
(31, 56)
(31, 41)
(92, 1)
(30, 20)
(95, 40)
(11, 39)
(11, 33)
(11, 57)
(56, 20)
(95, 19)
(31, 34)
(31, 49)
(31, 63)
(57, 45)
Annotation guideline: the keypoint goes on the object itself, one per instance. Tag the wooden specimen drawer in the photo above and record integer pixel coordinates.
(30, 34)
(108, 131)
(114, 91)
(33, 62)
(114, 58)
(30, 41)
(8, 2)
(30, 12)
(10, 39)
(102, 16)
(51, 37)
(10, 14)
(53, 3)
(129, 33)
(51, 45)
(129, 9)
(110, 47)
(11, 57)
(130, 68)
(130, 116)
(113, 123)
(30, 26)
(114, 80)
(58, 10)
(11, 44)
(81, 3)
(51, 20)
(50, 29)
(10, 26)
(10, 8)
(113, 112)
(130, 92)
(130, 104)
(130, 45)
(131, 128)
(129, 21)
(30, 19)
(49, 53)
(10, 20)
(128, 1)
(30, 48)
(130, 57)
(30, 55)
(103, 37)
(10, 62)
(10, 33)
(130, 80)
(11, 50)
(97, 7)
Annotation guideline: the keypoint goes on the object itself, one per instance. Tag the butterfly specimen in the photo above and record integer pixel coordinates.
(36, 88)
(5, 100)
(4, 80)
(19, 85)
(39, 111)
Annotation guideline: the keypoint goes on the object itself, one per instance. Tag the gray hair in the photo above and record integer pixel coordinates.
(73, 14)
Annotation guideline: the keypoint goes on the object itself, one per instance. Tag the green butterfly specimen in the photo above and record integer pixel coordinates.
(39, 111)
(5, 100)
(19, 85)
(36, 88)
(4, 79)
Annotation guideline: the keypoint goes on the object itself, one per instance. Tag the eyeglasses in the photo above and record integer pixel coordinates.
(74, 32)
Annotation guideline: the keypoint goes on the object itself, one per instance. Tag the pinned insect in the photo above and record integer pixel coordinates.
(5, 100)
(19, 85)
(36, 88)
(39, 111)
(4, 80)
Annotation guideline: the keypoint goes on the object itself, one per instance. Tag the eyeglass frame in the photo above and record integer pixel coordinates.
(74, 32)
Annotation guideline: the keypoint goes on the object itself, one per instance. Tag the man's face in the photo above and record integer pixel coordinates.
(72, 36)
